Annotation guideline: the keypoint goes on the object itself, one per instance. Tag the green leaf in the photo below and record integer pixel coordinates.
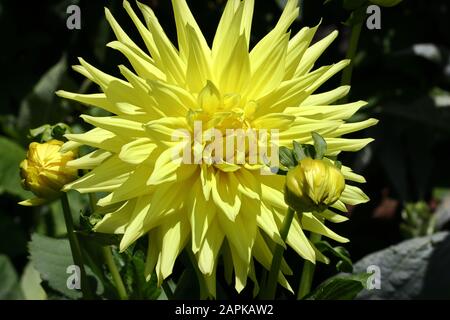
(41, 105)
(286, 157)
(340, 287)
(299, 154)
(319, 144)
(31, 284)
(345, 263)
(12, 155)
(9, 284)
(413, 269)
(309, 151)
(138, 286)
(51, 258)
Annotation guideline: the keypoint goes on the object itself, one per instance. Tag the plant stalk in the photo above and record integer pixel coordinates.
(75, 248)
(308, 272)
(352, 48)
(109, 259)
(272, 281)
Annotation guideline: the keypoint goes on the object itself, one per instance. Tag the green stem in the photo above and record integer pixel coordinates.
(167, 290)
(75, 248)
(272, 281)
(115, 273)
(308, 272)
(346, 78)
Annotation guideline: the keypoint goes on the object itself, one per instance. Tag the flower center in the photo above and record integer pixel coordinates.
(221, 126)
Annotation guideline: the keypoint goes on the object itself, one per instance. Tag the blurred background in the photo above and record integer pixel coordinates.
(402, 70)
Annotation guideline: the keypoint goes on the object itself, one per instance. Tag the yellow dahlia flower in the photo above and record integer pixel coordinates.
(213, 208)
(44, 171)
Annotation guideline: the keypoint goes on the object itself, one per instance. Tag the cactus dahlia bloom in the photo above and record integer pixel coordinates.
(213, 209)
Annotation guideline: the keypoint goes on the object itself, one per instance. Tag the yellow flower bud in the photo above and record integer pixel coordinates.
(313, 185)
(44, 171)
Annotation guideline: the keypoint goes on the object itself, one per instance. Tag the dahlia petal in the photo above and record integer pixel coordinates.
(227, 35)
(268, 74)
(353, 195)
(264, 219)
(334, 69)
(297, 47)
(301, 130)
(174, 234)
(241, 269)
(237, 75)
(247, 17)
(90, 160)
(339, 205)
(354, 126)
(248, 184)
(99, 77)
(313, 53)
(198, 62)
(225, 195)
(137, 151)
(134, 229)
(290, 93)
(168, 131)
(331, 216)
(70, 146)
(107, 177)
(311, 223)
(166, 167)
(172, 99)
(117, 221)
(33, 202)
(280, 121)
(134, 186)
(240, 234)
(326, 98)
(272, 187)
(169, 59)
(116, 125)
(270, 41)
(143, 31)
(208, 252)
(207, 179)
(202, 213)
(121, 35)
(96, 99)
(98, 138)
(184, 20)
(297, 240)
(153, 253)
(350, 175)
(328, 112)
(336, 145)
(263, 254)
(143, 66)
